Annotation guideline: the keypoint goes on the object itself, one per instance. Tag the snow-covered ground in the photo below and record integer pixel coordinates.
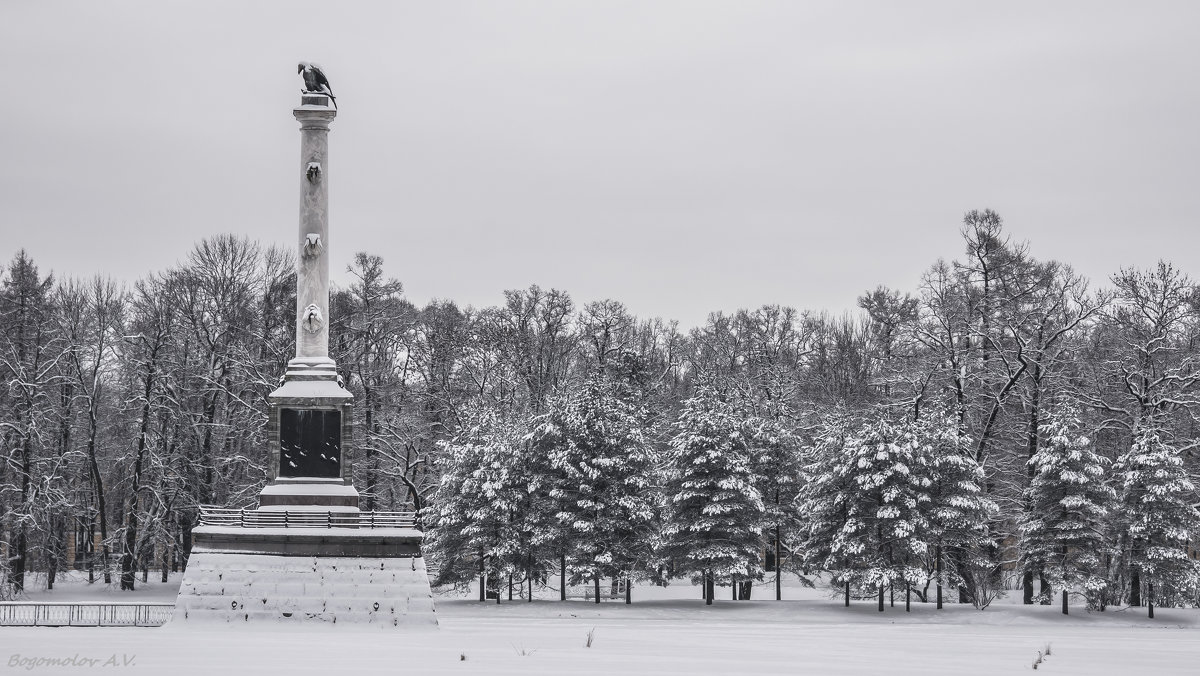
(665, 631)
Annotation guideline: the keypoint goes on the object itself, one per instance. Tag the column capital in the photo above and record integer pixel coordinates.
(315, 111)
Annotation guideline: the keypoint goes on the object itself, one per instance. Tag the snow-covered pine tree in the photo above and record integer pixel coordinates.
(604, 462)
(552, 537)
(714, 529)
(960, 510)
(823, 506)
(1063, 533)
(474, 524)
(775, 453)
(1160, 519)
(886, 534)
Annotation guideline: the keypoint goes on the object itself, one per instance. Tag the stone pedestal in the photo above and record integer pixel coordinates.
(368, 578)
(309, 425)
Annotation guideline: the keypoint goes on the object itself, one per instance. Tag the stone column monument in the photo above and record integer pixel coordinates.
(309, 415)
(307, 554)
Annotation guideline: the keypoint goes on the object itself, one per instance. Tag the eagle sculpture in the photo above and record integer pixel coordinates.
(315, 81)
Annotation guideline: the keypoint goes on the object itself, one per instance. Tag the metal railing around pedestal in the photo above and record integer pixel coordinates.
(37, 614)
(256, 518)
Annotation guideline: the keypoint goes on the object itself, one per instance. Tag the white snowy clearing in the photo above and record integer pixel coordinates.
(665, 631)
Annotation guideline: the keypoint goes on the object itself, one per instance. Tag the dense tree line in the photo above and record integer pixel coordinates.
(1003, 425)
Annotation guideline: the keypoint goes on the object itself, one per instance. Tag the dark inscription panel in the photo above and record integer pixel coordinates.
(310, 443)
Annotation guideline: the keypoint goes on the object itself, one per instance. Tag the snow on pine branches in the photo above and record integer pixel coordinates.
(715, 511)
(1063, 533)
(478, 516)
(886, 525)
(884, 498)
(603, 469)
(961, 511)
(1158, 513)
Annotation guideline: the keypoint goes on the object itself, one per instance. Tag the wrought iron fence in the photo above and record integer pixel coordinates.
(37, 614)
(260, 518)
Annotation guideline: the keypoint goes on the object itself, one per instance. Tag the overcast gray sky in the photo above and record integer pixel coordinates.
(681, 157)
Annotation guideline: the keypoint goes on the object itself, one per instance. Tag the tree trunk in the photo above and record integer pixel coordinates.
(847, 593)
(1150, 598)
(129, 543)
(907, 597)
(20, 561)
(530, 574)
(778, 569)
(708, 589)
(1043, 588)
(98, 485)
(510, 586)
(562, 577)
(372, 432)
(597, 587)
(1064, 602)
(482, 579)
(52, 555)
(1135, 588)
(206, 454)
(131, 519)
(966, 594)
(1031, 438)
(628, 591)
(17, 575)
(90, 549)
(185, 527)
(881, 597)
(938, 565)
(892, 594)
(64, 446)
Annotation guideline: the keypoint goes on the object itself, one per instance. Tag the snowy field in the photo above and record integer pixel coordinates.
(665, 631)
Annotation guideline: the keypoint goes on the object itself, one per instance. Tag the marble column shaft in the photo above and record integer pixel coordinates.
(312, 278)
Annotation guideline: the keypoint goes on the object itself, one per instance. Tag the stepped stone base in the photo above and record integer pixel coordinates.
(313, 494)
(240, 588)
